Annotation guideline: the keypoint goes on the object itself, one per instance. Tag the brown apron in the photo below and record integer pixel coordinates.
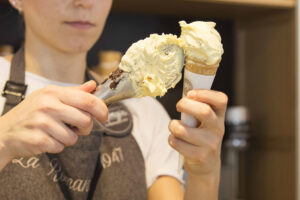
(107, 164)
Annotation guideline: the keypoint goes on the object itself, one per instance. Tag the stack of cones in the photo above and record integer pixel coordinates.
(108, 62)
(6, 50)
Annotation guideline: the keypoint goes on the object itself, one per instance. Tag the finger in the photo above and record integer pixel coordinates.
(57, 130)
(201, 111)
(86, 102)
(86, 129)
(53, 146)
(62, 134)
(195, 136)
(89, 86)
(83, 121)
(41, 142)
(187, 150)
(217, 100)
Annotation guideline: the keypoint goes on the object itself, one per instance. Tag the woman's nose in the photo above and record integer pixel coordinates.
(84, 3)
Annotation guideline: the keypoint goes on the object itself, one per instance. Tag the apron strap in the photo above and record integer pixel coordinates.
(15, 88)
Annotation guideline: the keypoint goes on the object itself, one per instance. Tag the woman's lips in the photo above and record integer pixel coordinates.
(80, 24)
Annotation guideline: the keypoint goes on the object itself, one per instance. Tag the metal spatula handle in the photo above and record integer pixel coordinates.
(123, 90)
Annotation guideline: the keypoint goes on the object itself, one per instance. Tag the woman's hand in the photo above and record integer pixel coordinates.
(38, 124)
(201, 146)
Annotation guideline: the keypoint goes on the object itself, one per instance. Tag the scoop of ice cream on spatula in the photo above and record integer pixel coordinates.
(149, 68)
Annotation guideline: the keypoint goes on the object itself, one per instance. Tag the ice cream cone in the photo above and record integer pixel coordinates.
(198, 67)
(197, 75)
(203, 52)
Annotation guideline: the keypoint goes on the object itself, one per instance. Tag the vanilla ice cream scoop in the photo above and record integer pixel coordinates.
(154, 64)
(201, 43)
(149, 68)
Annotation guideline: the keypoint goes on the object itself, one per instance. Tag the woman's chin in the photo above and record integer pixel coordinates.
(77, 48)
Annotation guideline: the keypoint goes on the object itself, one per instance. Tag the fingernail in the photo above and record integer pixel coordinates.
(86, 83)
(191, 94)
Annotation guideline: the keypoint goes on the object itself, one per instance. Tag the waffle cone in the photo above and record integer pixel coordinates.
(198, 67)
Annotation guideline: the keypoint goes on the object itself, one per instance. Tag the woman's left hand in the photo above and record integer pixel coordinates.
(201, 146)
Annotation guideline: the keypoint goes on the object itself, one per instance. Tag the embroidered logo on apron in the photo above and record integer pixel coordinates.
(119, 121)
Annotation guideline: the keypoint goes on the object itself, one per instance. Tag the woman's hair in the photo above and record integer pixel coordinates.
(21, 28)
(14, 35)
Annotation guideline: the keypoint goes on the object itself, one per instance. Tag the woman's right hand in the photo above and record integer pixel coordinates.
(38, 124)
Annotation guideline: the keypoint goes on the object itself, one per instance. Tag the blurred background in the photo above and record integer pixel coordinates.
(257, 72)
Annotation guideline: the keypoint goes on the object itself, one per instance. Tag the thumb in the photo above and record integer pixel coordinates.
(89, 86)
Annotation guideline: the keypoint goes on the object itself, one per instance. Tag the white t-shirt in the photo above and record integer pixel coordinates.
(150, 126)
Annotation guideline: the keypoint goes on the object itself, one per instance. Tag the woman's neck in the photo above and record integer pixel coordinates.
(43, 60)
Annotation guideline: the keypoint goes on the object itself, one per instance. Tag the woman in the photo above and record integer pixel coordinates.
(44, 158)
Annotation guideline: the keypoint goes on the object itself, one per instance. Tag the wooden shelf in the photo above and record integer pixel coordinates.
(232, 9)
(264, 3)
(258, 3)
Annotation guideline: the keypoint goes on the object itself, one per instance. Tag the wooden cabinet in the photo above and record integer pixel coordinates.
(266, 69)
